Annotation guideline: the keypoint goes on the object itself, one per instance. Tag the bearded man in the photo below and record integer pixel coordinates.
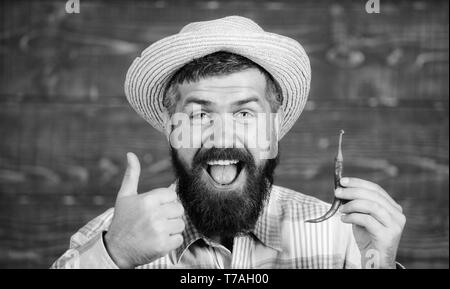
(206, 89)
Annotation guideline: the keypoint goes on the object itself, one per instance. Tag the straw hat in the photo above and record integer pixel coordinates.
(283, 57)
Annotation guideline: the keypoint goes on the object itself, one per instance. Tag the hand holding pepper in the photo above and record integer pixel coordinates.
(378, 221)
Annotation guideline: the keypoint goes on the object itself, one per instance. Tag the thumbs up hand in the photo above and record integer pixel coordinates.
(145, 226)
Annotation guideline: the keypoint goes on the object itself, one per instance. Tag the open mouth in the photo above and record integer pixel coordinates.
(224, 172)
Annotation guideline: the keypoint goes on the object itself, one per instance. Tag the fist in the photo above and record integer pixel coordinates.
(145, 226)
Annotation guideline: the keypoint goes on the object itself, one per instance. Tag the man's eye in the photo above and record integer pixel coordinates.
(245, 114)
(200, 116)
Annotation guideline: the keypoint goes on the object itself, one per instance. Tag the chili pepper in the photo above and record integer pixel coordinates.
(338, 168)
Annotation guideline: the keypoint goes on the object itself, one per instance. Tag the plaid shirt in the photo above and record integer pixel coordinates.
(280, 239)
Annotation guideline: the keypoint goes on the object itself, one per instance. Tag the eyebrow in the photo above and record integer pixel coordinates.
(204, 102)
(196, 100)
(245, 101)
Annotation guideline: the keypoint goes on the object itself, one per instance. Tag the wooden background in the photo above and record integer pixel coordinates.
(65, 125)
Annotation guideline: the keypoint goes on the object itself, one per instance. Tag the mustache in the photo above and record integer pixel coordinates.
(205, 155)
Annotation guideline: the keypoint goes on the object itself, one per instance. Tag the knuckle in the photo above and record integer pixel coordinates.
(153, 215)
(150, 201)
(158, 228)
(380, 231)
(369, 220)
(166, 194)
(171, 194)
(182, 225)
(178, 240)
(175, 210)
(388, 216)
(180, 208)
(354, 205)
(158, 193)
(402, 220)
(379, 188)
(377, 207)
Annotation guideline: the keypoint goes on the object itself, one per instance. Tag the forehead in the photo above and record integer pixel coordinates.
(226, 88)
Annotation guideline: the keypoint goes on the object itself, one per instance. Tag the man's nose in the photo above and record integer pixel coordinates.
(222, 134)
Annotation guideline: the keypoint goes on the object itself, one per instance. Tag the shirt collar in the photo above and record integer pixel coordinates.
(190, 236)
(267, 228)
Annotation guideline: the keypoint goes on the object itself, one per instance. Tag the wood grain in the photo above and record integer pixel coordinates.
(65, 125)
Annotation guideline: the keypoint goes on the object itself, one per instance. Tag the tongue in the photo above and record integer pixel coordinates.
(223, 175)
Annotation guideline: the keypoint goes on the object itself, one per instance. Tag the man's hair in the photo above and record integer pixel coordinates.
(217, 64)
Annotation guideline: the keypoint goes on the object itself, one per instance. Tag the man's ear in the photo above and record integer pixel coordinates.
(167, 125)
(278, 121)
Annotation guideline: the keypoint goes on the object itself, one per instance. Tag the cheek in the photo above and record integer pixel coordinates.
(262, 145)
(186, 136)
(254, 152)
(260, 156)
(260, 136)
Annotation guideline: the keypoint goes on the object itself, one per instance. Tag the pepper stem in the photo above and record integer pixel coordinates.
(339, 155)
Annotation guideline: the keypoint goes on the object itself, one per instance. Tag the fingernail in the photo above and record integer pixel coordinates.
(338, 191)
(344, 181)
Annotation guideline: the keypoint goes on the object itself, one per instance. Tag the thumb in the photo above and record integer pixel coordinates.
(131, 178)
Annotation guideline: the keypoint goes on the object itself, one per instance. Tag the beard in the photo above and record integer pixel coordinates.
(216, 212)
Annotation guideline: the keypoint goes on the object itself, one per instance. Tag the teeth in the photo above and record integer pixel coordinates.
(222, 162)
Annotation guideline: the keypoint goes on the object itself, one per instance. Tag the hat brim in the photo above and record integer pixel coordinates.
(282, 57)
